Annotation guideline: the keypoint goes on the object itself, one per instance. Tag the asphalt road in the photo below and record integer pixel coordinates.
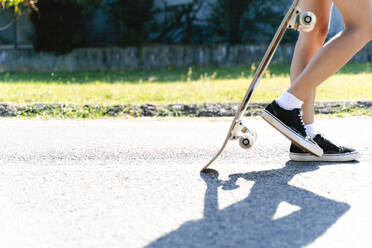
(136, 183)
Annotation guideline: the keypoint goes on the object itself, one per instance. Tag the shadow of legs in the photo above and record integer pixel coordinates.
(250, 222)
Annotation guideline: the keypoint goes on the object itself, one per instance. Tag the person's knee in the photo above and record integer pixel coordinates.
(317, 36)
(321, 31)
(362, 32)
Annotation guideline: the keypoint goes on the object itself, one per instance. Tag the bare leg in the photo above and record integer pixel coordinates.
(337, 52)
(308, 45)
(283, 113)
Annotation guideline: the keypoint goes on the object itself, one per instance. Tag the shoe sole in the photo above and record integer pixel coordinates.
(306, 157)
(297, 139)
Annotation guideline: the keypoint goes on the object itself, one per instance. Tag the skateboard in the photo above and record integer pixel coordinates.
(294, 19)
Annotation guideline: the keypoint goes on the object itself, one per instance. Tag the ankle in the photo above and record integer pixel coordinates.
(289, 101)
(311, 130)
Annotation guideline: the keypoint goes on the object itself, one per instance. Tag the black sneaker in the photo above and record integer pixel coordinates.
(332, 153)
(291, 125)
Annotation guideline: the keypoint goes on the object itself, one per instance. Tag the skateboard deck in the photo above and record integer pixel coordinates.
(292, 20)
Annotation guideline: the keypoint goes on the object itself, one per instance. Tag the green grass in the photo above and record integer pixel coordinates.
(196, 85)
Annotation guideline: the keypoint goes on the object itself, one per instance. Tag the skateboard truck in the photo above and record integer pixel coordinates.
(302, 21)
(246, 137)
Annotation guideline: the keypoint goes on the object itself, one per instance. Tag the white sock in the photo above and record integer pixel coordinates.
(311, 130)
(289, 101)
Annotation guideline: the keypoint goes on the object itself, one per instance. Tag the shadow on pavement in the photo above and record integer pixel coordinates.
(249, 223)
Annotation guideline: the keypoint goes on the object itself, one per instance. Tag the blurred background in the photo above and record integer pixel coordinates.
(63, 25)
(69, 24)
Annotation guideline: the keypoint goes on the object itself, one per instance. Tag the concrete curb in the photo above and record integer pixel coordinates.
(254, 109)
(150, 110)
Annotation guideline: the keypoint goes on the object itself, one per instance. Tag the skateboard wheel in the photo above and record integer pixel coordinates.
(307, 21)
(247, 141)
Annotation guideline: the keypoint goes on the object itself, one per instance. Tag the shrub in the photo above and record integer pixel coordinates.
(179, 23)
(58, 25)
(130, 19)
(28, 4)
(237, 21)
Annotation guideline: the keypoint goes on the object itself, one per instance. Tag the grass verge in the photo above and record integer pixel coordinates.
(161, 87)
(121, 93)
